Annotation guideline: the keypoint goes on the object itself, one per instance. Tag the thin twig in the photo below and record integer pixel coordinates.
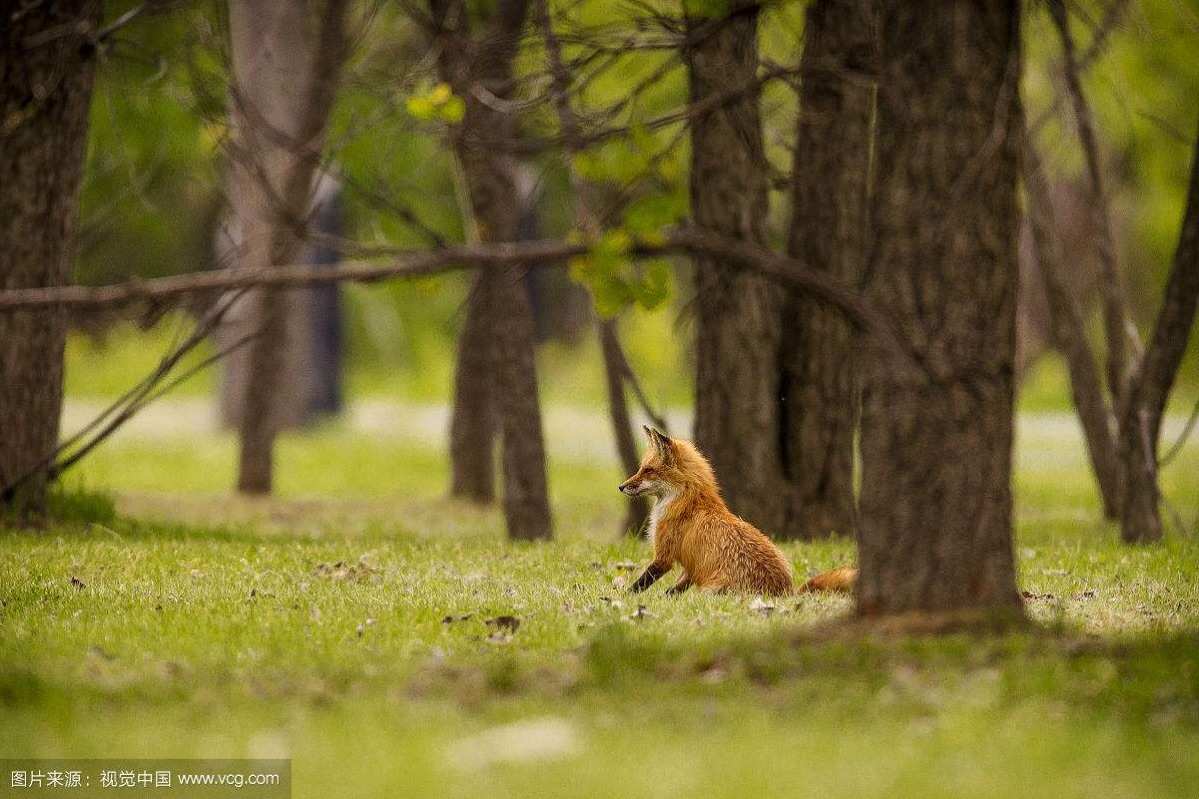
(1177, 446)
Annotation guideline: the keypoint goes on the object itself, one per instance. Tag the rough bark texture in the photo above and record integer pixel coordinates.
(1067, 332)
(472, 65)
(1149, 390)
(46, 69)
(286, 57)
(936, 506)
(738, 336)
(830, 181)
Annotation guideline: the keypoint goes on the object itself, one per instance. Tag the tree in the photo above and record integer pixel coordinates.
(737, 314)
(1149, 388)
(496, 376)
(47, 64)
(1067, 332)
(936, 503)
(830, 182)
(286, 59)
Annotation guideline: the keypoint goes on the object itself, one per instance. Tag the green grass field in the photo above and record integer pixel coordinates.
(184, 623)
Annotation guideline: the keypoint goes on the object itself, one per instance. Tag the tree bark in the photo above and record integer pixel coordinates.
(505, 328)
(738, 336)
(936, 504)
(616, 368)
(622, 427)
(1067, 331)
(830, 184)
(286, 58)
(1140, 425)
(1123, 341)
(473, 422)
(47, 64)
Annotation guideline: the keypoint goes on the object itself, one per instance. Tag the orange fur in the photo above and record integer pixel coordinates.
(842, 580)
(691, 526)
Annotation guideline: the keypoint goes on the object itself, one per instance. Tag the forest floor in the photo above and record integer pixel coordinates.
(392, 644)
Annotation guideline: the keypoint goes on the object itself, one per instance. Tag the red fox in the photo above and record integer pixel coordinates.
(690, 525)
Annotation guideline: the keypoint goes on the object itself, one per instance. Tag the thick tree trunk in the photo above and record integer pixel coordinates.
(738, 338)
(830, 182)
(1150, 388)
(46, 70)
(505, 324)
(286, 57)
(1067, 331)
(936, 505)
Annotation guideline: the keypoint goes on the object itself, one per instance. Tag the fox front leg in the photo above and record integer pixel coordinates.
(682, 585)
(648, 577)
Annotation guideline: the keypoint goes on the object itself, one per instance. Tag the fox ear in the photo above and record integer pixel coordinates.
(661, 444)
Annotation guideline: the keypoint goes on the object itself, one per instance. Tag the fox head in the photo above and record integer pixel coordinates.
(668, 466)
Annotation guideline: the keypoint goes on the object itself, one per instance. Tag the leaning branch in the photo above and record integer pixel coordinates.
(408, 265)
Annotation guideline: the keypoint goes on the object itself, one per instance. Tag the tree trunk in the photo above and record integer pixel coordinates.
(505, 325)
(622, 428)
(738, 337)
(473, 423)
(1123, 341)
(310, 350)
(1150, 388)
(47, 63)
(936, 504)
(616, 368)
(1067, 331)
(830, 183)
(286, 57)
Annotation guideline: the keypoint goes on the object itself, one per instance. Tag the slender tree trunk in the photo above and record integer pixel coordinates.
(286, 57)
(1150, 388)
(471, 64)
(1068, 334)
(616, 368)
(830, 183)
(622, 428)
(936, 505)
(738, 337)
(1123, 341)
(46, 71)
(473, 423)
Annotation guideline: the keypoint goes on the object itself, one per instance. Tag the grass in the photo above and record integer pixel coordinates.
(184, 623)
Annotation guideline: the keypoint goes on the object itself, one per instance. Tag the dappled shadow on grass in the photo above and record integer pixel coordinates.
(837, 666)
(1154, 678)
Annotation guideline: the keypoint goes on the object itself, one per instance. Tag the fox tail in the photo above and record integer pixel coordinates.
(840, 580)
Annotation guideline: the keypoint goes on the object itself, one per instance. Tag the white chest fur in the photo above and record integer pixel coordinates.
(658, 511)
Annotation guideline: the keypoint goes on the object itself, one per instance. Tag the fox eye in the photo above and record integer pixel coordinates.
(649, 472)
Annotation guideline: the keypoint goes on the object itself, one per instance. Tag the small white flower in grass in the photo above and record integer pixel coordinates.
(528, 741)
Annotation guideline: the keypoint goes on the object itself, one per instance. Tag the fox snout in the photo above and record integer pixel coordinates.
(630, 487)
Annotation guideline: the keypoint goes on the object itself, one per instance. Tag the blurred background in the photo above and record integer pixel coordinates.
(154, 194)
